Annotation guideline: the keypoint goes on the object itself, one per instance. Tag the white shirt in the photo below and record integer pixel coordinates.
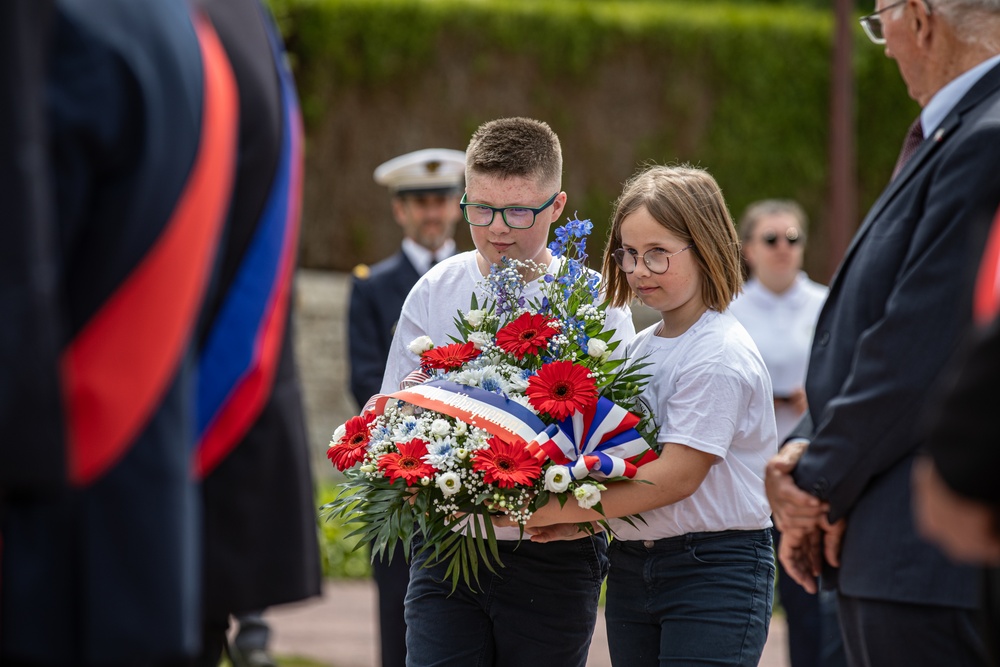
(432, 306)
(782, 326)
(423, 259)
(709, 390)
(951, 94)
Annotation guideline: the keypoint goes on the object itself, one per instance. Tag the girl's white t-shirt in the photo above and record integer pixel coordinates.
(709, 390)
(433, 304)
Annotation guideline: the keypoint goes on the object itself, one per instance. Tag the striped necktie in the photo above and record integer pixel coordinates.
(914, 137)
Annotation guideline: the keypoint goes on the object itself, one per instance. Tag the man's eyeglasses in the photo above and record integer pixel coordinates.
(791, 235)
(515, 217)
(657, 260)
(872, 23)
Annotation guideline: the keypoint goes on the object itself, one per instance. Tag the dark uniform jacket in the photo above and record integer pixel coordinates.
(376, 301)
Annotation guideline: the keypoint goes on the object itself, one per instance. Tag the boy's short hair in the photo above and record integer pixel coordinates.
(768, 207)
(688, 202)
(515, 147)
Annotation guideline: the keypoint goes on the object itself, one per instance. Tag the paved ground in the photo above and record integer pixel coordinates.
(339, 630)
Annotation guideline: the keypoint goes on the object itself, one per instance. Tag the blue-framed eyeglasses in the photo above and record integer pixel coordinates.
(656, 260)
(515, 217)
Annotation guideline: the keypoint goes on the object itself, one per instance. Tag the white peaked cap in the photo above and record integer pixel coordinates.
(427, 170)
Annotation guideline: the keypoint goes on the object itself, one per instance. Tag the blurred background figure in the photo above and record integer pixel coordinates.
(260, 541)
(140, 130)
(779, 307)
(426, 186)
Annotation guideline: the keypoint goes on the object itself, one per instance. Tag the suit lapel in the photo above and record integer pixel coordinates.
(981, 90)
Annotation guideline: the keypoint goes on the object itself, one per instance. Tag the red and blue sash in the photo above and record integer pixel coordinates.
(116, 369)
(241, 353)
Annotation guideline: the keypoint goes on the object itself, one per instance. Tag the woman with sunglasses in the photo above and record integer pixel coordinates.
(779, 307)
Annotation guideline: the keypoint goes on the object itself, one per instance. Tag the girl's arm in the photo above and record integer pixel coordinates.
(674, 476)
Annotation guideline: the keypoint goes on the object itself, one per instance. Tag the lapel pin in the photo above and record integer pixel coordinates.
(938, 134)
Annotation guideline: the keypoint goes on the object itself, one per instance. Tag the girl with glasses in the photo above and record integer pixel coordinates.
(692, 583)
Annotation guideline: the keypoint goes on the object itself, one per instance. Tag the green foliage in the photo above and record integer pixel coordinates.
(341, 557)
(740, 88)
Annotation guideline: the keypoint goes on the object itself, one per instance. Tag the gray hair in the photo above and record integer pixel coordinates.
(976, 22)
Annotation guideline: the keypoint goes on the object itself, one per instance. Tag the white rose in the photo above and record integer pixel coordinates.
(480, 339)
(587, 495)
(475, 317)
(461, 428)
(449, 483)
(421, 344)
(557, 479)
(440, 427)
(597, 348)
(338, 435)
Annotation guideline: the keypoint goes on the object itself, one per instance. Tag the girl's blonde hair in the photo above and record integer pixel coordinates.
(689, 204)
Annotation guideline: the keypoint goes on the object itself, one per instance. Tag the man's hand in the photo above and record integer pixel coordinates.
(833, 539)
(800, 554)
(964, 528)
(795, 511)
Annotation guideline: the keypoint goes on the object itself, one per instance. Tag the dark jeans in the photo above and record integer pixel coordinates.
(539, 609)
(696, 599)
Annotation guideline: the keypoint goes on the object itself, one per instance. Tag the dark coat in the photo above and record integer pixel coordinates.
(260, 512)
(30, 400)
(107, 572)
(376, 301)
(896, 311)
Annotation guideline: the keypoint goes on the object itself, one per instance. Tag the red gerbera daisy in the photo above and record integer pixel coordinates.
(505, 464)
(352, 447)
(449, 357)
(526, 335)
(408, 463)
(562, 388)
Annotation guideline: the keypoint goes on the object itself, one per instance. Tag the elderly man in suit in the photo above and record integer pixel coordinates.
(426, 186)
(840, 488)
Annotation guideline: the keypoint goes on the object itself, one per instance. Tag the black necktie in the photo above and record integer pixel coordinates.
(913, 139)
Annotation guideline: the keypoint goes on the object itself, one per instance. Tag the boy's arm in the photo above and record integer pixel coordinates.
(412, 324)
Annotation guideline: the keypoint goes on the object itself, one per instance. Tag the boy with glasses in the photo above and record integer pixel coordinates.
(541, 606)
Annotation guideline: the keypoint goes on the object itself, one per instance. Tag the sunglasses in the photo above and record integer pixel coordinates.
(791, 235)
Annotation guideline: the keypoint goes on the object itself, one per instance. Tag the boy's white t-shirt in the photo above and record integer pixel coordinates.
(433, 304)
(709, 390)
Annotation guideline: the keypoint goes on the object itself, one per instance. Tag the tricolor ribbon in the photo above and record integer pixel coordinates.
(599, 443)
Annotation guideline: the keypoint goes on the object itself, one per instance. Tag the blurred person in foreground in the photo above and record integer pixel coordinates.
(426, 186)
(139, 146)
(898, 305)
(778, 307)
(260, 537)
(956, 497)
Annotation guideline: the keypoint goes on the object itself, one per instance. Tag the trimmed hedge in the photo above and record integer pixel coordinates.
(740, 89)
